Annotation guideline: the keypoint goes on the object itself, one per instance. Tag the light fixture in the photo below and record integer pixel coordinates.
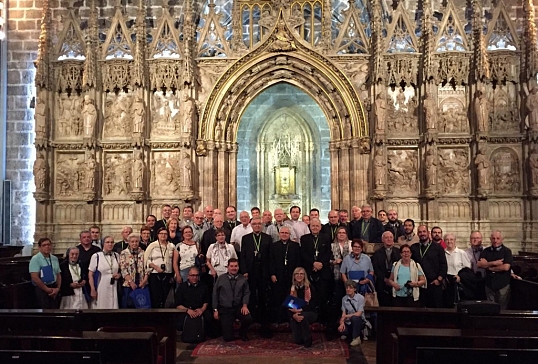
(2, 19)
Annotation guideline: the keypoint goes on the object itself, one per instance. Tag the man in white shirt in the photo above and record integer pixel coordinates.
(299, 227)
(241, 230)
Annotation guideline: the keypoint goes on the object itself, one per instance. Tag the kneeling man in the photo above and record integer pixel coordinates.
(192, 298)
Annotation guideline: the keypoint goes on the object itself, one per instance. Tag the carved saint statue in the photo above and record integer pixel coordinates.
(188, 113)
(185, 169)
(481, 111)
(138, 171)
(431, 168)
(380, 112)
(482, 165)
(218, 131)
(89, 113)
(40, 172)
(379, 168)
(40, 129)
(138, 115)
(533, 165)
(430, 111)
(532, 106)
(90, 166)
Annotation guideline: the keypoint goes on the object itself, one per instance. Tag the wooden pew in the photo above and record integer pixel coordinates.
(389, 319)
(49, 357)
(472, 355)
(74, 323)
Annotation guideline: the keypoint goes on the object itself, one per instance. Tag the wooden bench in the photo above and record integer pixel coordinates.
(70, 323)
(471, 355)
(49, 357)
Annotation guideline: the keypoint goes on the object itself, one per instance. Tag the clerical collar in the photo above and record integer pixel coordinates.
(284, 241)
(389, 249)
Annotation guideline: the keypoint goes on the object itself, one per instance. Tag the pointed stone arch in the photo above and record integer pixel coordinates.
(282, 57)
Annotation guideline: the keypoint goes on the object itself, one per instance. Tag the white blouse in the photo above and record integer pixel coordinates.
(456, 260)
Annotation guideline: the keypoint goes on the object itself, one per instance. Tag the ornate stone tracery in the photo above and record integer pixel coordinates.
(430, 110)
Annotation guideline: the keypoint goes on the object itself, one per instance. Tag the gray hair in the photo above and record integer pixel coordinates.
(69, 251)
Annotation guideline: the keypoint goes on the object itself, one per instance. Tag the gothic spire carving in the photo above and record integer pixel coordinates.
(352, 39)
(377, 40)
(427, 40)
(451, 36)
(501, 30)
(189, 41)
(401, 32)
(118, 44)
(89, 77)
(237, 38)
(70, 43)
(138, 77)
(326, 32)
(42, 62)
(213, 43)
(531, 58)
(481, 63)
(166, 38)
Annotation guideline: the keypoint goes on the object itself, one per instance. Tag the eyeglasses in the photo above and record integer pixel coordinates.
(194, 275)
(163, 233)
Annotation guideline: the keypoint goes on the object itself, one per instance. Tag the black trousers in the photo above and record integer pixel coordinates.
(208, 318)
(44, 300)
(258, 298)
(432, 297)
(227, 316)
(301, 330)
(159, 287)
(323, 287)
(281, 290)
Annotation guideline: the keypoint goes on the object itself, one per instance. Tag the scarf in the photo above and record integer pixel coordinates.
(413, 269)
(307, 292)
(216, 255)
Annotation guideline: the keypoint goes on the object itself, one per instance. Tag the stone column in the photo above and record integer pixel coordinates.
(223, 177)
(232, 186)
(335, 162)
(345, 173)
(354, 173)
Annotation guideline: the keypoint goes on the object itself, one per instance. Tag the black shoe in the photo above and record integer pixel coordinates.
(308, 343)
(244, 337)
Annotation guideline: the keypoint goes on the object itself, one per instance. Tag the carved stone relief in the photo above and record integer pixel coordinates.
(118, 119)
(118, 178)
(452, 110)
(40, 172)
(482, 165)
(165, 174)
(166, 122)
(70, 120)
(403, 166)
(380, 169)
(70, 175)
(481, 107)
(533, 167)
(504, 114)
(402, 114)
(505, 171)
(453, 174)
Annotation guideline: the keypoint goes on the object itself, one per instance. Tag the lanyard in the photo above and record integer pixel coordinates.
(257, 242)
(49, 261)
(333, 231)
(110, 263)
(364, 229)
(423, 253)
(165, 250)
(76, 270)
(316, 253)
(286, 255)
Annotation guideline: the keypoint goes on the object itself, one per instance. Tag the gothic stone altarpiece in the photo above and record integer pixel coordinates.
(432, 108)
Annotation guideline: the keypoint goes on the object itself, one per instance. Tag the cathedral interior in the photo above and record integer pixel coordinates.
(429, 107)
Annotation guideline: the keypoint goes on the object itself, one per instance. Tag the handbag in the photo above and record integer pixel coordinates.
(200, 261)
(370, 298)
(141, 297)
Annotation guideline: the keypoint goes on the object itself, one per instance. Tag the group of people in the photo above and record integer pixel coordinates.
(272, 269)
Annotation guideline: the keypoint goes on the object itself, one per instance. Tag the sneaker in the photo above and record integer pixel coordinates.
(343, 337)
(355, 342)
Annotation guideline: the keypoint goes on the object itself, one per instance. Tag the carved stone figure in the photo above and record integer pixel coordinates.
(166, 116)
(379, 168)
(90, 166)
(89, 113)
(40, 172)
(185, 166)
(40, 118)
(453, 171)
(533, 164)
(403, 172)
(188, 114)
(138, 115)
(481, 111)
(267, 22)
(431, 168)
(68, 175)
(430, 111)
(118, 170)
(138, 171)
(505, 175)
(218, 130)
(532, 106)
(482, 165)
(380, 112)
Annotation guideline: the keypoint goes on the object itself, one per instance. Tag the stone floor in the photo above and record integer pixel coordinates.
(364, 354)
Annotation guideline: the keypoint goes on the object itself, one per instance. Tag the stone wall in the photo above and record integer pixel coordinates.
(24, 19)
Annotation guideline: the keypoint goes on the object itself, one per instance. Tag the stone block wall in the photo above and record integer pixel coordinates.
(23, 28)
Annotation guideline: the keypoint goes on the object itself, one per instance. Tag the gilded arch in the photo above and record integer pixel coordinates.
(282, 57)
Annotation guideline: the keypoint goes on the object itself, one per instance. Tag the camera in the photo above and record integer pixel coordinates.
(112, 281)
(163, 266)
(408, 285)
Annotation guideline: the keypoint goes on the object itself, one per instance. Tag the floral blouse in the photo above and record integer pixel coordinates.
(130, 264)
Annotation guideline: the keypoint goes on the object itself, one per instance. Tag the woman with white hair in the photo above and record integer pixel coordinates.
(132, 268)
(72, 282)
